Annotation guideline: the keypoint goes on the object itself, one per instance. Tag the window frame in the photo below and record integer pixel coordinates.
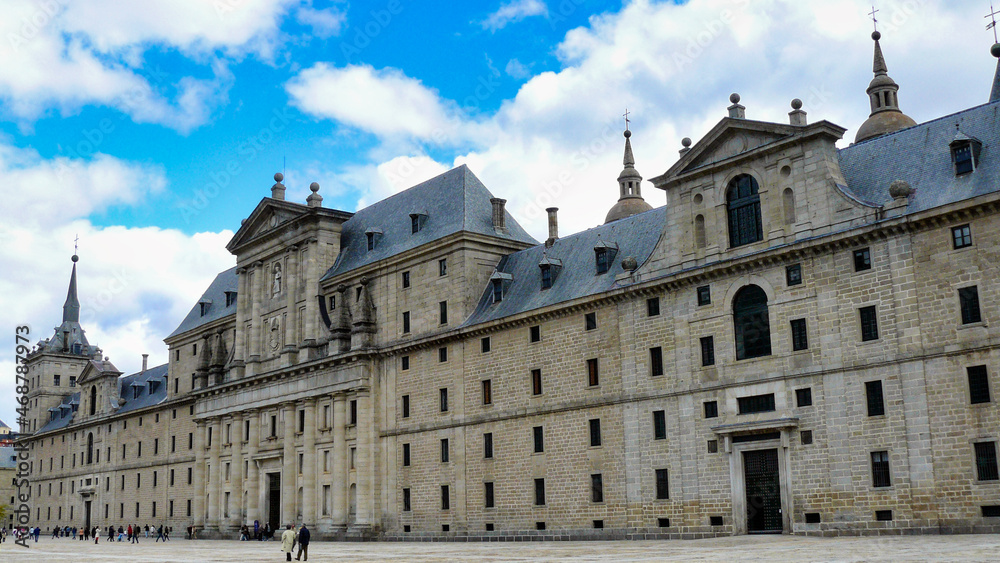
(969, 306)
(743, 212)
(961, 236)
(862, 259)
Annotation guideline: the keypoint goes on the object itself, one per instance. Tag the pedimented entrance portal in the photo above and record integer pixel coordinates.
(763, 491)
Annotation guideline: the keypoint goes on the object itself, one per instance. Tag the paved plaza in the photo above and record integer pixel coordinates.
(964, 548)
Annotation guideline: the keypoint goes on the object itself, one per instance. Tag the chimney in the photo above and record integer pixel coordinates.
(736, 111)
(278, 189)
(499, 218)
(553, 227)
(145, 360)
(797, 116)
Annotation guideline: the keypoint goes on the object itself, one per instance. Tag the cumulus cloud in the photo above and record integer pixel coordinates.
(324, 23)
(513, 12)
(517, 69)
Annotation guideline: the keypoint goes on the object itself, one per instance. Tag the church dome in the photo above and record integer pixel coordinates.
(629, 184)
(883, 123)
(886, 116)
(626, 208)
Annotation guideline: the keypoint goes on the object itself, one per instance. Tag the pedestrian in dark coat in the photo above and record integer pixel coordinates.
(303, 543)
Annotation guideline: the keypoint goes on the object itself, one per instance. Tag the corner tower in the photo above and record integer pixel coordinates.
(885, 117)
(630, 201)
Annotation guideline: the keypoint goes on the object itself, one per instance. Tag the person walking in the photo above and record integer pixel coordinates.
(97, 534)
(38, 531)
(166, 533)
(135, 534)
(288, 542)
(159, 536)
(256, 530)
(303, 543)
(268, 532)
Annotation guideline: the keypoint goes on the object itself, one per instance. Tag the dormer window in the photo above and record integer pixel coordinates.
(546, 277)
(965, 153)
(497, 291)
(204, 306)
(417, 222)
(549, 268)
(602, 260)
(498, 285)
(604, 254)
(230, 298)
(373, 235)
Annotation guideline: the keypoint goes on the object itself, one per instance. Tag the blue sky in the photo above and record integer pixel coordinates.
(151, 129)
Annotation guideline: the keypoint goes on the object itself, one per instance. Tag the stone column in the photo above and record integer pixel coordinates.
(363, 465)
(312, 289)
(340, 484)
(288, 488)
(215, 477)
(239, 343)
(253, 476)
(291, 310)
(199, 475)
(236, 482)
(255, 321)
(309, 464)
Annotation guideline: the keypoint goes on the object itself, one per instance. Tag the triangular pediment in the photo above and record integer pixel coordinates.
(269, 215)
(97, 369)
(732, 140)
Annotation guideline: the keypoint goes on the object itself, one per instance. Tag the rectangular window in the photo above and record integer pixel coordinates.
(880, 469)
(539, 492)
(406, 322)
(443, 396)
(302, 422)
(536, 382)
(979, 385)
(590, 321)
(443, 267)
(704, 295)
(593, 376)
(662, 484)
(659, 425)
(404, 363)
(406, 500)
(443, 354)
(862, 260)
(656, 361)
(445, 450)
(414, 224)
(968, 299)
(793, 274)
(484, 345)
(406, 406)
(445, 498)
(653, 307)
(406, 455)
(595, 432)
(961, 236)
(869, 323)
(883, 515)
(539, 439)
(443, 312)
(406, 279)
(535, 334)
(986, 461)
(488, 494)
(596, 487)
(756, 403)
(488, 445)
(708, 351)
(352, 412)
(800, 340)
(487, 392)
(876, 403)
(189, 476)
(804, 397)
(55, 380)
(711, 409)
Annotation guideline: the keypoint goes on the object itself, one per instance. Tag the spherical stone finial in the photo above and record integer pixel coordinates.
(734, 98)
(243, 222)
(75, 258)
(876, 36)
(900, 189)
(314, 187)
(279, 177)
(630, 264)
(796, 104)
(686, 142)
(995, 50)
(627, 133)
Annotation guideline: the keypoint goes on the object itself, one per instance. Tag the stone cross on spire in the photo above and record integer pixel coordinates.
(626, 119)
(872, 14)
(993, 23)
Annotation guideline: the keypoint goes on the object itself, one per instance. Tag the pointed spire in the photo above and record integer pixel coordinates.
(878, 66)
(629, 160)
(71, 309)
(885, 116)
(630, 199)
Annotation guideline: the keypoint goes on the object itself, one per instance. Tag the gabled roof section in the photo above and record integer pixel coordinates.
(61, 415)
(214, 300)
(270, 214)
(453, 202)
(134, 390)
(634, 236)
(921, 156)
(8, 457)
(95, 369)
(734, 138)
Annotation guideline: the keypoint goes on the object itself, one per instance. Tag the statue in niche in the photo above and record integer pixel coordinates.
(275, 334)
(276, 284)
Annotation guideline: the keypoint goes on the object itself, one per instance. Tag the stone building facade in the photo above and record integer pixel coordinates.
(802, 341)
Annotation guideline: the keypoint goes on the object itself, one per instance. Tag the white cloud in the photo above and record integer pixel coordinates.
(517, 69)
(66, 55)
(324, 23)
(513, 12)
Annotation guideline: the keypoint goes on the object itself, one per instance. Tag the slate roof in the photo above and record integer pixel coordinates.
(216, 295)
(8, 457)
(133, 394)
(453, 202)
(634, 236)
(921, 156)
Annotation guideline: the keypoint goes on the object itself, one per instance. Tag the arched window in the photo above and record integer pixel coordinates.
(788, 196)
(90, 448)
(750, 320)
(699, 231)
(744, 211)
(93, 400)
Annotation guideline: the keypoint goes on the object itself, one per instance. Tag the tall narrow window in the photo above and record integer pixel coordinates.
(93, 397)
(443, 395)
(405, 406)
(708, 350)
(595, 432)
(535, 334)
(406, 279)
(653, 307)
(497, 290)
(656, 361)
(603, 260)
(539, 492)
(546, 277)
(90, 448)
(443, 267)
(536, 382)
(743, 204)
(800, 340)
(979, 385)
(880, 469)
(590, 321)
(968, 299)
(539, 438)
(869, 323)
(662, 484)
(406, 455)
(488, 494)
(752, 326)
(788, 199)
(488, 445)
(406, 500)
(406, 322)
(445, 498)
(699, 231)
(659, 425)
(445, 451)
(443, 312)
(596, 487)
(876, 403)
(593, 376)
(487, 392)
(986, 461)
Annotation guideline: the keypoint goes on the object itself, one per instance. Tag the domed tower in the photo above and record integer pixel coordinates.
(630, 202)
(885, 117)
